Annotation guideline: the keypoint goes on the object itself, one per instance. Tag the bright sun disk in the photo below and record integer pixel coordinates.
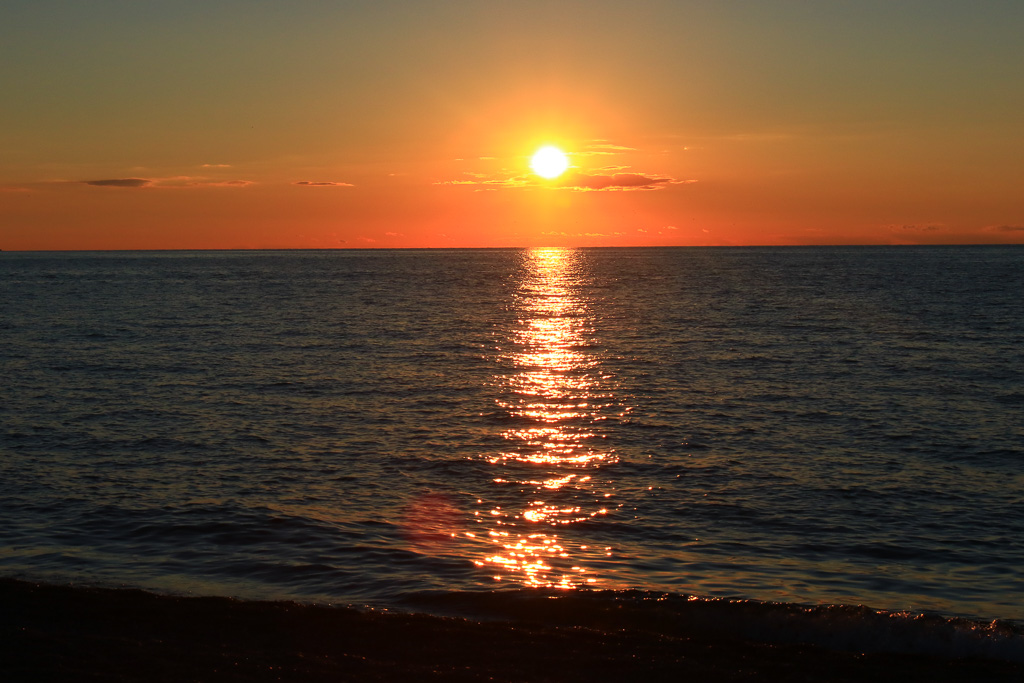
(549, 162)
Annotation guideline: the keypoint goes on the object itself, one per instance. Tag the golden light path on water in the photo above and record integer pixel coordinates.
(555, 394)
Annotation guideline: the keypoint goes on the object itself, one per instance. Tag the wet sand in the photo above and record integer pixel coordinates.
(62, 633)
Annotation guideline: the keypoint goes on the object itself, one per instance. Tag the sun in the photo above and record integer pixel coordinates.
(549, 162)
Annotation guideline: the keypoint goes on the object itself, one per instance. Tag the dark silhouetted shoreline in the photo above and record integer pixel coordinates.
(62, 633)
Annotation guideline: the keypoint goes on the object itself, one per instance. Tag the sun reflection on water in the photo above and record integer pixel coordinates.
(553, 389)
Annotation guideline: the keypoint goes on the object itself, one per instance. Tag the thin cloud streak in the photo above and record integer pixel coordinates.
(119, 182)
(929, 227)
(604, 148)
(175, 182)
(328, 183)
(616, 181)
(581, 182)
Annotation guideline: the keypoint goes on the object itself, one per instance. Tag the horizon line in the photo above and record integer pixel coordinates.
(512, 247)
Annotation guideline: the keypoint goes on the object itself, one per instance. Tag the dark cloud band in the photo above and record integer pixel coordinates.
(118, 182)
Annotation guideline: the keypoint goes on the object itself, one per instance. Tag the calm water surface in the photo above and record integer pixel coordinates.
(805, 425)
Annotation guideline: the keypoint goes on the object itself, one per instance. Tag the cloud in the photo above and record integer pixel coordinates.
(220, 183)
(119, 182)
(199, 181)
(1008, 228)
(187, 181)
(176, 181)
(616, 181)
(330, 183)
(553, 233)
(918, 228)
(490, 183)
(215, 166)
(604, 148)
(609, 178)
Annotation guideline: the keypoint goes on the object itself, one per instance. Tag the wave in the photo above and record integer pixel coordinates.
(845, 628)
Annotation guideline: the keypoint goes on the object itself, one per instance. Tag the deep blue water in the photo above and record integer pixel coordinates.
(802, 425)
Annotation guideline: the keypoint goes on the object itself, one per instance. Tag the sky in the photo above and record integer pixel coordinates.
(222, 124)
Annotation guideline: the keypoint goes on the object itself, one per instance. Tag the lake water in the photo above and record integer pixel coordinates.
(807, 426)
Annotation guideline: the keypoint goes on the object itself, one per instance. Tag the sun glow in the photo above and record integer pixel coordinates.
(549, 162)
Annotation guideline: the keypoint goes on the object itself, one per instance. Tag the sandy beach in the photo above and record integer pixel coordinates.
(66, 633)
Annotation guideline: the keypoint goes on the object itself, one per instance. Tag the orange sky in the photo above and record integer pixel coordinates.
(396, 124)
